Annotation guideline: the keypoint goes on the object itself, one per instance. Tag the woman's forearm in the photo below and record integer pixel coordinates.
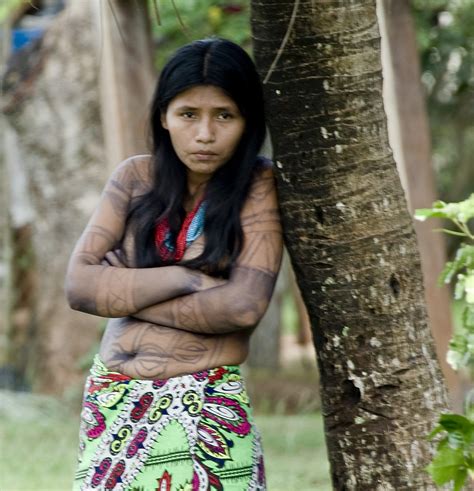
(239, 304)
(117, 292)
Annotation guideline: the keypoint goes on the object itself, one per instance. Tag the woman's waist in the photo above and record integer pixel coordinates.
(100, 370)
(143, 350)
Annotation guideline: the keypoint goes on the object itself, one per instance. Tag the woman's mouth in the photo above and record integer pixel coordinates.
(204, 155)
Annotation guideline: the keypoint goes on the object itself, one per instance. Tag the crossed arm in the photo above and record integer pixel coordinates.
(175, 296)
(106, 291)
(242, 301)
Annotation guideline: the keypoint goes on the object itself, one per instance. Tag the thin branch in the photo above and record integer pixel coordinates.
(117, 22)
(101, 46)
(450, 232)
(181, 23)
(283, 43)
(156, 11)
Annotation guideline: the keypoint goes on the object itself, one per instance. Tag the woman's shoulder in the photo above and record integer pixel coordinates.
(134, 173)
(262, 192)
(264, 162)
(263, 179)
(263, 169)
(137, 163)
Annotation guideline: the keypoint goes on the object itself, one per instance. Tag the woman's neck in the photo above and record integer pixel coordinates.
(194, 195)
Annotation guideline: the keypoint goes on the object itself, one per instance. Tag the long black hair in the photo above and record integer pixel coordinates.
(226, 65)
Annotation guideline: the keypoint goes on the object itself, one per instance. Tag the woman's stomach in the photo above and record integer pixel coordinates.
(147, 351)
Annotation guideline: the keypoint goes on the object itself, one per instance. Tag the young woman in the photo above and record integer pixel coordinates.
(181, 255)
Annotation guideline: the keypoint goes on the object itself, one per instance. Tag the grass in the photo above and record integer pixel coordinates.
(38, 439)
(38, 443)
(295, 452)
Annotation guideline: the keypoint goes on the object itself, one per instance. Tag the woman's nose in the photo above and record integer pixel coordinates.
(205, 133)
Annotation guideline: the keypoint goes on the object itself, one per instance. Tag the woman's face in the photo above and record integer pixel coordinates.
(205, 127)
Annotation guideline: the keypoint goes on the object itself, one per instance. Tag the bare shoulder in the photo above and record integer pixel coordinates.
(134, 174)
(262, 188)
(261, 210)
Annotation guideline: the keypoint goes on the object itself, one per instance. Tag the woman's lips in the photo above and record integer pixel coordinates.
(204, 155)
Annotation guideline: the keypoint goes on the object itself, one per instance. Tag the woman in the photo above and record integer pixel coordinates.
(181, 255)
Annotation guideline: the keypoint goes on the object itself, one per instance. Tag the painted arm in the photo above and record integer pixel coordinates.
(241, 302)
(108, 291)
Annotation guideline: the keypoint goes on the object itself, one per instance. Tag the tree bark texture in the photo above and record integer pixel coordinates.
(50, 100)
(351, 239)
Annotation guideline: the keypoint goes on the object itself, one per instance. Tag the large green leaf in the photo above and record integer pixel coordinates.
(447, 465)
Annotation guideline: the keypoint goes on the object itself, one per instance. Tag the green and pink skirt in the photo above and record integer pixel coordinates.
(186, 433)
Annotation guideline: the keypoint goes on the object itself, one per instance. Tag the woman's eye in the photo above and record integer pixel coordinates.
(225, 115)
(187, 114)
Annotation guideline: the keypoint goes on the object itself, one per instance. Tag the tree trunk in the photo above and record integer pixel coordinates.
(409, 135)
(127, 76)
(60, 126)
(352, 241)
(51, 102)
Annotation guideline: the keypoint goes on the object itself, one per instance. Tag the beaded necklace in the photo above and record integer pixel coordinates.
(191, 229)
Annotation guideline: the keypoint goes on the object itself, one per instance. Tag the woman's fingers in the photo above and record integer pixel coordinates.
(115, 258)
(195, 249)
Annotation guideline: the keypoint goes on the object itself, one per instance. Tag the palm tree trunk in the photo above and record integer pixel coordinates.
(351, 239)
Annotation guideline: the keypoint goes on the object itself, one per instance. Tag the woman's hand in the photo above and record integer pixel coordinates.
(240, 303)
(114, 258)
(195, 249)
(203, 281)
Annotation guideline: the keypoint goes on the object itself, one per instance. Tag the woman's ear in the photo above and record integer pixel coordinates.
(163, 121)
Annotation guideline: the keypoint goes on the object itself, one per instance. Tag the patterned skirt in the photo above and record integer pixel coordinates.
(188, 433)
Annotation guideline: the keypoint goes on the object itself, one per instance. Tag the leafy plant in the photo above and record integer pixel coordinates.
(454, 459)
(180, 21)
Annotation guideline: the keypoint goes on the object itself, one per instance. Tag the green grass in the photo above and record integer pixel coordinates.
(38, 439)
(38, 443)
(295, 452)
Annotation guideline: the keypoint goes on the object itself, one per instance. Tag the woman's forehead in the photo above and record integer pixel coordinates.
(203, 96)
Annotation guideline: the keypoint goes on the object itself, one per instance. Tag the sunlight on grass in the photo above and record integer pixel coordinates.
(39, 438)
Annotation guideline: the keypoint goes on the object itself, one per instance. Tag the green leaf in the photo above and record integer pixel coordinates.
(451, 422)
(437, 430)
(466, 209)
(468, 317)
(447, 465)
(469, 287)
(464, 259)
(460, 212)
(459, 287)
(438, 204)
(460, 479)
(423, 213)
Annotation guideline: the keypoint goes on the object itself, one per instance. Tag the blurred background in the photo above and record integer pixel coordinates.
(76, 78)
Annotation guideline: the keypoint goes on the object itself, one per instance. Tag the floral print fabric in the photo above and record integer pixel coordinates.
(187, 433)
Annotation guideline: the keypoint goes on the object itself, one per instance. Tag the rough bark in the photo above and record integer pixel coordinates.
(51, 101)
(351, 239)
(409, 136)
